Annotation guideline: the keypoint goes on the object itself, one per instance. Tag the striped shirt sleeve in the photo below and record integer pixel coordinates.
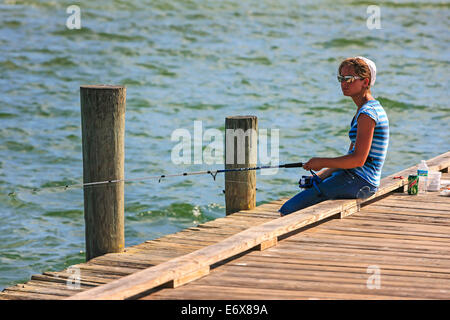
(370, 111)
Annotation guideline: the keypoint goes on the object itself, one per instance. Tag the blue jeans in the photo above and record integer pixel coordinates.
(342, 184)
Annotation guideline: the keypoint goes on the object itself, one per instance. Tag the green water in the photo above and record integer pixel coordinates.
(186, 61)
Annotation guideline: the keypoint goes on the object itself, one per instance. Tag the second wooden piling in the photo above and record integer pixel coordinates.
(240, 152)
(103, 133)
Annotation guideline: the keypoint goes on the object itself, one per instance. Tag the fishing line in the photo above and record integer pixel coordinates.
(213, 173)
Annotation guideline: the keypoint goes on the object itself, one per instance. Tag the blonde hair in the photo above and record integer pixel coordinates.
(360, 66)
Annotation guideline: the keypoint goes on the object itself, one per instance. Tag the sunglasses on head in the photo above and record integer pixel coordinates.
(349, 79)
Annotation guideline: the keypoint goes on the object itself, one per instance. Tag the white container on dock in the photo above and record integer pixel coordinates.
(434, 181)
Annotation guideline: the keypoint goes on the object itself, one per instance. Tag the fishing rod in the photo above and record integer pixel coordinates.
(213, 173)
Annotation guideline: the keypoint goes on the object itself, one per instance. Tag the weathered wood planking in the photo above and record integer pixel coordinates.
(109, 267)
(105, 269)
(331, 261)
(146, 279)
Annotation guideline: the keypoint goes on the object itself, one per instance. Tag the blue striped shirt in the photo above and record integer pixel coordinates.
(371, 170)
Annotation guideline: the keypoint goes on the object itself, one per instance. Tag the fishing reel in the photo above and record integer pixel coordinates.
(307, 182)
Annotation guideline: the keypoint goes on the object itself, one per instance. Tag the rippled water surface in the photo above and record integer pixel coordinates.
(186, 61)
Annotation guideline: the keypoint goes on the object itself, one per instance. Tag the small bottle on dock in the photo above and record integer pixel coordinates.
(422, 172)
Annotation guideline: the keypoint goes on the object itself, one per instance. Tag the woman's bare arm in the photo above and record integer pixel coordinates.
(325, 173)
(364, 135)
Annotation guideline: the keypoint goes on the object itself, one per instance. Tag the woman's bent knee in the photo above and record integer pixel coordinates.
(300, 201)
(284, 210)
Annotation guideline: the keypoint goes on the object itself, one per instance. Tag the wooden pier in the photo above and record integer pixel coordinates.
(389, 246)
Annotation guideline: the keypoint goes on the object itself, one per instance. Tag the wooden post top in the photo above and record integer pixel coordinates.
(240, 117)
(102, 86)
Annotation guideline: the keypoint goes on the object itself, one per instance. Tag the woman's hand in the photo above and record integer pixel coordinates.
(314, 164)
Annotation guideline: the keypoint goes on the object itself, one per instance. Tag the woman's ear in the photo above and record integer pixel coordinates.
(366, 82)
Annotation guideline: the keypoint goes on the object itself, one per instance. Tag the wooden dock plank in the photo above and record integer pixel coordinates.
(347, 270)
(223, 292)
(295, 284)
(286, 274)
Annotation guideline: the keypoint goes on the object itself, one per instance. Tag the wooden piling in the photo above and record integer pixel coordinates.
(240, 152)
(103, 133)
